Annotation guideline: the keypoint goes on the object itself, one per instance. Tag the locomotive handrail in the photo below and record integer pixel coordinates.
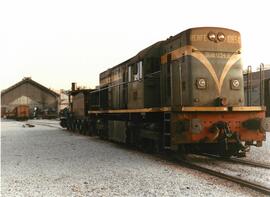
(183, 109)
(262, 84)
(115, 85)
(156, 109)
(249, 108)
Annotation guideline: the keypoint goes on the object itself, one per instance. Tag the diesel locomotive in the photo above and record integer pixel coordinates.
(182, 94)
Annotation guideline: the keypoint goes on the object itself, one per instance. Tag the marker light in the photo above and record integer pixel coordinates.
(221, 37)
(201, 83)
(212, 36)
(235, 84)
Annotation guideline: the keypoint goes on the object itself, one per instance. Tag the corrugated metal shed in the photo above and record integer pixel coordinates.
(30, 93)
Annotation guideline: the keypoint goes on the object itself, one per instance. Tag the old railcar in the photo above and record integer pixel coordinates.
(20, 112)
(75, 118)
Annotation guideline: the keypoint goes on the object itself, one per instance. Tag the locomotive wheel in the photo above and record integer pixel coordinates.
(83, 127)
(80, 127)
(90, 128)
(149, 145)
(68, 125)
(73, 126)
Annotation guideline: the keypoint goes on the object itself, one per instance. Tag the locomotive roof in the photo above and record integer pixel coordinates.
(172, 38)
(137, 57)
(145, 51)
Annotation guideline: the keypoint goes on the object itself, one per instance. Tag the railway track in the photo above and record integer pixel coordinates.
(252, 185)
(236, 160)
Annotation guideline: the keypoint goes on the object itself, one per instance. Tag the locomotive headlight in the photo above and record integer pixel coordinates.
(221, 37)
(212, 36)
(235, 84)
(201, 83)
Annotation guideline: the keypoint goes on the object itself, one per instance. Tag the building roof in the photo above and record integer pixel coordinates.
(32, 82)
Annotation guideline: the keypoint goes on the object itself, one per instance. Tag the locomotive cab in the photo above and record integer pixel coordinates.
(203, 71)
(205, 68)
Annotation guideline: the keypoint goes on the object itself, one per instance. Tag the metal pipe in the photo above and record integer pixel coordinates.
(249, 70)
(180, 84)
(261, 84)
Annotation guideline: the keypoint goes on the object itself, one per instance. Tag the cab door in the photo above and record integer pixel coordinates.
(165, 82)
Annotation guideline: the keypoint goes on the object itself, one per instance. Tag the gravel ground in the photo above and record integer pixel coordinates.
(260, 154)
(47, 161)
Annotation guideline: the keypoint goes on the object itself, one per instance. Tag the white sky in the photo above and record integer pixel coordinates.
(57, 42)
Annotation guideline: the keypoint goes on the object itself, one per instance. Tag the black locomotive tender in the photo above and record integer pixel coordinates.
(184, 94)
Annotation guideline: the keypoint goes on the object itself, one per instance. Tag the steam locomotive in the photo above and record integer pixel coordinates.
(183, 94)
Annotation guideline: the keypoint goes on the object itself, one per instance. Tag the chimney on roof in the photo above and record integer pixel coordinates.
(73, 86)
(26, 78)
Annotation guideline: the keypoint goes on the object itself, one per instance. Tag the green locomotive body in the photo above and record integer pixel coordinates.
(183, 93)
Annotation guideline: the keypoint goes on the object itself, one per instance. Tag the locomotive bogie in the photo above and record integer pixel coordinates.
(117, 131)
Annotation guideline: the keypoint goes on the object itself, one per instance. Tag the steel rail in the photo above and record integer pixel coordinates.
(236, 160)
(252, 185)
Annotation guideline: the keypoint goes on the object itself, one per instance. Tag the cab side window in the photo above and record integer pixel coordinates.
(135, 72)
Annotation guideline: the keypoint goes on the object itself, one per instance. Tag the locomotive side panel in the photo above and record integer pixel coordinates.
(151, 76)
(267, 96)
(144, 79)
(117, 88)
(174, 63)
(78, 105)
(104, 78)
(135, 95)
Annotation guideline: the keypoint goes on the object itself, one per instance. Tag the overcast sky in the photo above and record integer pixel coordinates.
(57, 42)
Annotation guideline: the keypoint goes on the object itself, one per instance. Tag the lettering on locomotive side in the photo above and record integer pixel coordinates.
(198, 38)
(219, 55)
(231, 39)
